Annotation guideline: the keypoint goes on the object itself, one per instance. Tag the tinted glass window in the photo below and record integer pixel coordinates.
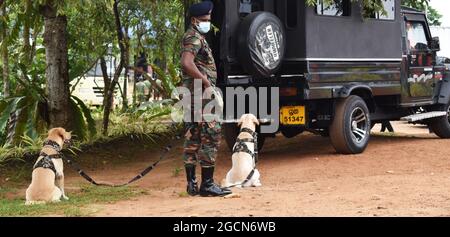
(336, 8)
(417, 38)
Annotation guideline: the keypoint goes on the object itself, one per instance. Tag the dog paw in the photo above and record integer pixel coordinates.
(65, 198)
(257, 184)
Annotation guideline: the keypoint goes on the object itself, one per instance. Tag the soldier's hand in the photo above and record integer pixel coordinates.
(206, 83)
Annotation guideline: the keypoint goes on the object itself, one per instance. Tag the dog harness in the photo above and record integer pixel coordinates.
(53, 145)
(240, 145)
(46, 162)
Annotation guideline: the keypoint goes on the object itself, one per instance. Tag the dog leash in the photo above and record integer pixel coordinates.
(83, 174)
(245, 181)
(88, 178)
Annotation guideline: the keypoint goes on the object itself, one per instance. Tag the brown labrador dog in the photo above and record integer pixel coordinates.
(47, 183)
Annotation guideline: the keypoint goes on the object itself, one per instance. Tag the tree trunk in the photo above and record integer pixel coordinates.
(5, 58)
(106, 79)
(57, 73)
(122, 45)
(26, 34)
(125, 79)
(125, 90)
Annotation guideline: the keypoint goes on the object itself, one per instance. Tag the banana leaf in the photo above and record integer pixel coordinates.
(79, 125)
(87, 115)
(7, 107)
(19, 126)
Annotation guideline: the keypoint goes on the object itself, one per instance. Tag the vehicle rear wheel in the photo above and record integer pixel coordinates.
(441, 126)
(231, 131)
(350, 129)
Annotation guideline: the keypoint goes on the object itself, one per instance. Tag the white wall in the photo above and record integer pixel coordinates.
(444, 35)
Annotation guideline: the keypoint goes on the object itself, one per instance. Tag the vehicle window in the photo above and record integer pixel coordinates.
(417, 38)
(389, 7)
(336, 8)
(388, 14)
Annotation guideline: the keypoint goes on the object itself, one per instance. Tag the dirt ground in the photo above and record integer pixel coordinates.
(406, 174)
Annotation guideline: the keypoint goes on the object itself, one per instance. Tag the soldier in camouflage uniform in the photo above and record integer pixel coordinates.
(202, 138)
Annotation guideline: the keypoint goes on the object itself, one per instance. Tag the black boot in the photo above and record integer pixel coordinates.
(192, 187)
(208, 187)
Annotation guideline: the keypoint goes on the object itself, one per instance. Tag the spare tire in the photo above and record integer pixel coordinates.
(261, 44)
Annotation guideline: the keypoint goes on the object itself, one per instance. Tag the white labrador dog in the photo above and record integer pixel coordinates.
(243, 161)
(47, 183)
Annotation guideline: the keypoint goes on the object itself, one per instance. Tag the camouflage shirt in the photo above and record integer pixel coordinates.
(196, 43)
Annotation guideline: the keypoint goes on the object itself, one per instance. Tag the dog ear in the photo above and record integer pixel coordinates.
(255, 120)
(62, 133)
(241, 120)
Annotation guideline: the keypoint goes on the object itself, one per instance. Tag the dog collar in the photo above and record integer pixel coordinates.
(249, 131)
(53, 144)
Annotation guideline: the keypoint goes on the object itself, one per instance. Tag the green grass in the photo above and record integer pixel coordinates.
(78, 205)
(176, 172)
(6, 190)
(183, 194)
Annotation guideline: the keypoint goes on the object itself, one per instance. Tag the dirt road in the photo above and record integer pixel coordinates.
(406, 174)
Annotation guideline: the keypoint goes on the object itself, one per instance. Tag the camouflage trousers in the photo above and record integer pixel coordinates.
(141, 88)
(202, 141)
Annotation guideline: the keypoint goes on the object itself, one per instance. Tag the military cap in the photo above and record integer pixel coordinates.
(201, 9)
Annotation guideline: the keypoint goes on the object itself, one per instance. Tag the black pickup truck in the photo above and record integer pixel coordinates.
(339, 69)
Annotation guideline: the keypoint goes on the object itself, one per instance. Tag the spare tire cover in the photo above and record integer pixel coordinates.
(261, 44)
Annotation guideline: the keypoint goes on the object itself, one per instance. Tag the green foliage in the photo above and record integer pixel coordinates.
(82, 119)
(434, 18)
(144, 123)
(26, 116)
(169, 79)
(371, 6)
(88, 41)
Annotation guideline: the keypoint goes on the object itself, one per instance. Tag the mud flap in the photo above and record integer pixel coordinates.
(444, 92)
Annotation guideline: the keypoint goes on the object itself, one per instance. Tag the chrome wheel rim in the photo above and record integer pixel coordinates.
(359, 125)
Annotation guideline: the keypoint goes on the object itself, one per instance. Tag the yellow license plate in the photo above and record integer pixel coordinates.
(292, 115)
